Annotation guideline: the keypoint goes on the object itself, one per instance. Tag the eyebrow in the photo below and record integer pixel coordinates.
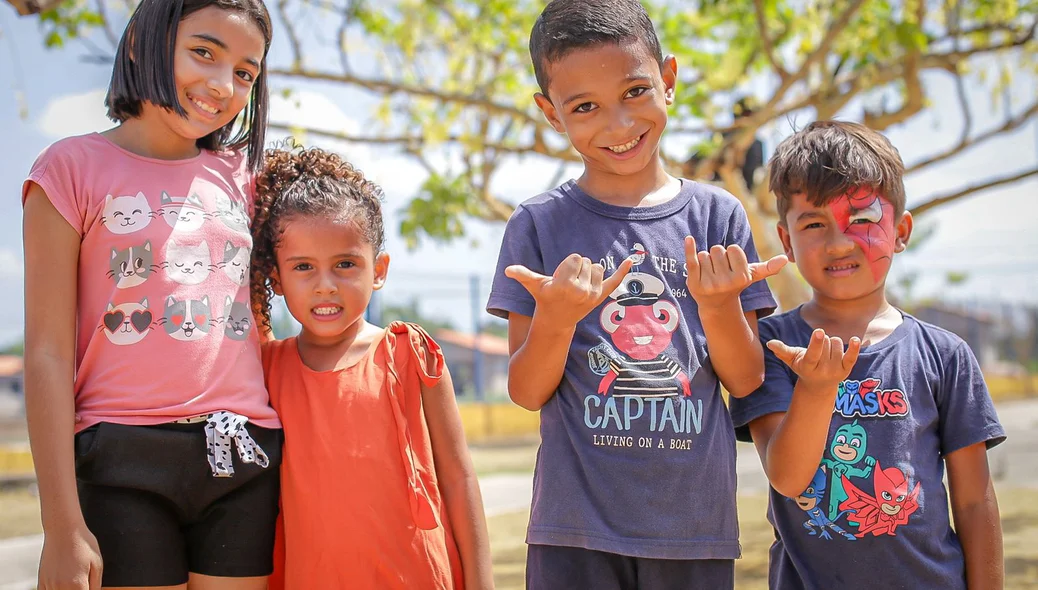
(628, 79)
(808, 214)
(575, 97)
(215, 41)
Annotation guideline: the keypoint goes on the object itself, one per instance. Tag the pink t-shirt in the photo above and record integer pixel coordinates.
(164, 326)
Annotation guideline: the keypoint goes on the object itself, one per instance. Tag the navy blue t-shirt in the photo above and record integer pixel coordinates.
(637, 449)
(876, 512)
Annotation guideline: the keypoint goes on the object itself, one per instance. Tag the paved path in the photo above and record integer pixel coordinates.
(1012, 463)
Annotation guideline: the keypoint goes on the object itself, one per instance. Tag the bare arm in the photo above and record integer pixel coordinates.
(538, 346)
(735, 352)
(791, 443)
(715, 280)
(458, 483)
(70, 556)
(975, 512)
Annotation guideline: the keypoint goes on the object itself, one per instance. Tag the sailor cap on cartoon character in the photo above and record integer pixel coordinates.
(637, 256)
(641, 324)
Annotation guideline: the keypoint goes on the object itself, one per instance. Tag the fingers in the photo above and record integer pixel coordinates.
(95, 576)
(569, 268)
(835, 348)
(786, 354)
(609, 285)
(851, 356)
(719, 260)
(815, 348)
(763, 270)
(530, 280)
(691, 258)
(736, 258)
(583, 277)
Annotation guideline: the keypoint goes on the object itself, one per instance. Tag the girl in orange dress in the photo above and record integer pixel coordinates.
(377, 487)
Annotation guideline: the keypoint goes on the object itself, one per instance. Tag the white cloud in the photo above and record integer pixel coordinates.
(10, 265)
(75, 114)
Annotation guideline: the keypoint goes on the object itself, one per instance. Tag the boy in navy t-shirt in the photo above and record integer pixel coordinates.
(620, 330)
(855, 441)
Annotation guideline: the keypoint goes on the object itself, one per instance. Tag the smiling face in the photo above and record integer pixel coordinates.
(611, 101)
(849, 443)
(844, 248)
(327, 271)
(217, 57)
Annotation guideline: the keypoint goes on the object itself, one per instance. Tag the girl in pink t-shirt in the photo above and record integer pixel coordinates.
(155, 445)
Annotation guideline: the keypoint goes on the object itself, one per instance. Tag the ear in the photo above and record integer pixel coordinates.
(205, 300)
(165, 199)
(170, 301)
(552, 116)
(114, 253)
(787, 247)
(669, 71)
(381, 270)
(228, 247)
(147, 246)
(227, 303)
(144, 302)
(904, 232)
(275, 282)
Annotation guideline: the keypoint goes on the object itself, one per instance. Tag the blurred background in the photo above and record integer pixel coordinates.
(433, 101)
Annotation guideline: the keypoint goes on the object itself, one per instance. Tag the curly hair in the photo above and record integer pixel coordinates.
(306, 183)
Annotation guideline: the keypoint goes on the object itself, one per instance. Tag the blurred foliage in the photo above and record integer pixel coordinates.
(454, 86)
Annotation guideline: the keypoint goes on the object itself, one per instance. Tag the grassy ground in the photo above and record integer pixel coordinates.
(1019, 529)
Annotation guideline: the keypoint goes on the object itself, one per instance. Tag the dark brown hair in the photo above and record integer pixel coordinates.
(568, 25)
(150, 38)
(306, 183)
(829, 158)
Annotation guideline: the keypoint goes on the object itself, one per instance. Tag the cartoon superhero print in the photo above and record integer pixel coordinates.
(890, 508)
(641, 326)
(847, 450)
(868, 219)
(810, 502)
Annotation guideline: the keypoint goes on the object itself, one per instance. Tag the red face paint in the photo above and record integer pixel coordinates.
(868, 219)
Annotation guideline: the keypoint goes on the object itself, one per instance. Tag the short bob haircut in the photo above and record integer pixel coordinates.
(150, 39)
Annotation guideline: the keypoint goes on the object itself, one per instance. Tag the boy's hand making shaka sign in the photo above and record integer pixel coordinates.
(823, 365)
(576, 288)
(715, 277)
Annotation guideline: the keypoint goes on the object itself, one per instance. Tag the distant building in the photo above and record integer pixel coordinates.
(460, 350)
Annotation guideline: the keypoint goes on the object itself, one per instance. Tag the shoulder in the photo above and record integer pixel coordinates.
(412, 345)
(273, 351)
(938, 341)
(711, 197)
(75, 150)
(546, 202)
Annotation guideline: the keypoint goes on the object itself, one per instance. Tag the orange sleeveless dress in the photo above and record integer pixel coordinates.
(360, 504)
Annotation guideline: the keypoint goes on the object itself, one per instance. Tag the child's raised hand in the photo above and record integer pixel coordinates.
(576, 287)
(716, 276)
(823, 363)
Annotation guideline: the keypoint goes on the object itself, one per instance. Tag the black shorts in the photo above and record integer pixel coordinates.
(149, 496)
(550, 567)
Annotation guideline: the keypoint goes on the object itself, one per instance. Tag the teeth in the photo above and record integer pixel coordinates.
(642, 340)
(843, 267)
(205, 107)
(619, 149)
(326, 310)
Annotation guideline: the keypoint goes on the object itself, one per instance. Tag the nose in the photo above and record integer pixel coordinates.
(221, 83)
(838, 243)
(621, 123)
(326, 284)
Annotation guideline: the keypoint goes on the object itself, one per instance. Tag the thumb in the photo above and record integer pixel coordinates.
(763, 270)
(609, 285)
(786, 354)
(530, 280)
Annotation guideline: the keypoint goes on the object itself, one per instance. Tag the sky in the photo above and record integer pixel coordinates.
(49, 94)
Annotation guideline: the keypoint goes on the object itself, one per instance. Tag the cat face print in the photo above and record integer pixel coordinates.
(131, 266)
(238, 320)
(125, 215)
(187, 264)
(236, 263)
(126, 323)
(232, 213)
(183, 214)
(187, 320)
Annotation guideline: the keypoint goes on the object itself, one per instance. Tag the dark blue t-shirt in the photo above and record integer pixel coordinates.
(876, 513)
(637, 449)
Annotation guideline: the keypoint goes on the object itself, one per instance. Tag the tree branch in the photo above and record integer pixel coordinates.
(913, 103)
(293, 37)
(965, 143)
(766, 43)
(390, 87)
(945, 199)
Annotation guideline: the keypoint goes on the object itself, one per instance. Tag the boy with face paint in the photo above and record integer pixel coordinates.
(912, 390)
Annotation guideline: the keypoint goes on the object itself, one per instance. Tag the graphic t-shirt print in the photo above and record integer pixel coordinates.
(640, 379)
(853, 484)
(186, 257)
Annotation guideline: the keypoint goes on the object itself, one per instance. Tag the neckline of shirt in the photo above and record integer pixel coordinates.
(670, 207)
(907, 321)
(202, 153)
